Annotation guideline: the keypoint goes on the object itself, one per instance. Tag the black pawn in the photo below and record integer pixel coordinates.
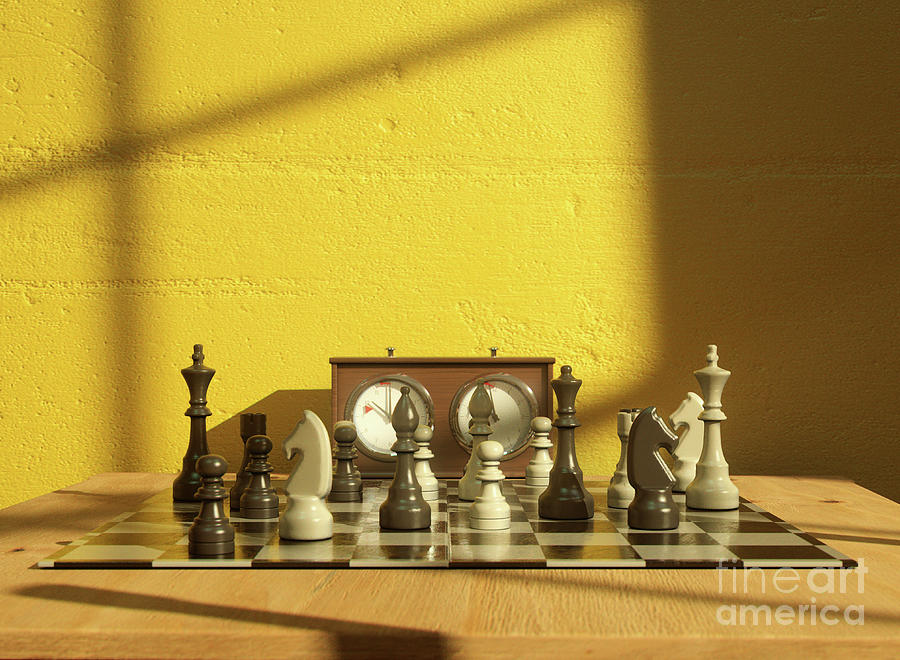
(405, 508)
(346, 484)
(566, 498)
(259, 499)
(197, 377)
(653, 506)
(251, 424)
(211, 535)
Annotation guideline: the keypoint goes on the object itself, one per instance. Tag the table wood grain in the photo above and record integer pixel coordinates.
(440, 614)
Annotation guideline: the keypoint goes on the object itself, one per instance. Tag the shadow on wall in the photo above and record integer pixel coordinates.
(283, 409)
(775, 139)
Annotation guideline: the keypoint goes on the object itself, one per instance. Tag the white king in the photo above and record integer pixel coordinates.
(712, 487)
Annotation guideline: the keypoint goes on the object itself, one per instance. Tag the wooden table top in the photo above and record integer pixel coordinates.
(459, 613)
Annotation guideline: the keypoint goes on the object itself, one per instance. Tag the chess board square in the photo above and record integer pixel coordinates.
(590, 555)
(791, 552)
(342, 528)
(846, 561)
(760, 538)
(400, 538)
(487, 556)
(517, 515)
(741, 526)
(355, 518)
(159, 539)
(237, 518)
(332, 551)
(461, 526)
(349, 507)
(179, 553)
(684, 527)
(574, 526)
(493, 537)
(712, 553)
(669, 538)
(241, 538)
(120, 553)
(617, 516)
(399, 556)
(255, 526)
(596, 538)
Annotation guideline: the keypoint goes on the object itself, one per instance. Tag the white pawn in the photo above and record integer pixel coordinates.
(490, 510)
(424, 475)
(620, 491)
(712, 487)
(538, 471)
(690, 444)
(306, 518)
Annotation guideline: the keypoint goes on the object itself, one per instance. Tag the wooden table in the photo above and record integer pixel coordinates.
(443, 613)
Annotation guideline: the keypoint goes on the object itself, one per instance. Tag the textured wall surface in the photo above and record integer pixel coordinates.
(615, 184)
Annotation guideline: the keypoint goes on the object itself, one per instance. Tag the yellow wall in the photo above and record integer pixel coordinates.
(615, 184)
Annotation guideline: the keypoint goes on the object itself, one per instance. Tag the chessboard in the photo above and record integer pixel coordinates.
(156, 536)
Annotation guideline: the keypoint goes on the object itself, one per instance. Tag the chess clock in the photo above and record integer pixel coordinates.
(369, 407)
(440, 387)
(514, 407)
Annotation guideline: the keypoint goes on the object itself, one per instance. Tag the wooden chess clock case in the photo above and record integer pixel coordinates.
(443, 378)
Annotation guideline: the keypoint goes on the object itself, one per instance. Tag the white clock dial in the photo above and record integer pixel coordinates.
(514, 408)
(371, 405)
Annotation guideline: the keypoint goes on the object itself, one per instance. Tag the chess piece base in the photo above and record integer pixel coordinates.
(184, 488)
(570, 500)
(259, 513)
(537, 481)
(653, 509)
(345, 496)
(306, 518)
(489, 523)
(404, 517)
(217, 549)
(718, 494)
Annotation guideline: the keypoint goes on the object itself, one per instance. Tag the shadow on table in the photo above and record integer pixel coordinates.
(351, 638)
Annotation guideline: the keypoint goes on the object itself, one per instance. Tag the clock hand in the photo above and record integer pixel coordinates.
(494, 417)
(380, 409)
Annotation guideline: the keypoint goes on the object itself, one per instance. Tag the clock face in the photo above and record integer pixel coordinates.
(370, 406)
(514, 408)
